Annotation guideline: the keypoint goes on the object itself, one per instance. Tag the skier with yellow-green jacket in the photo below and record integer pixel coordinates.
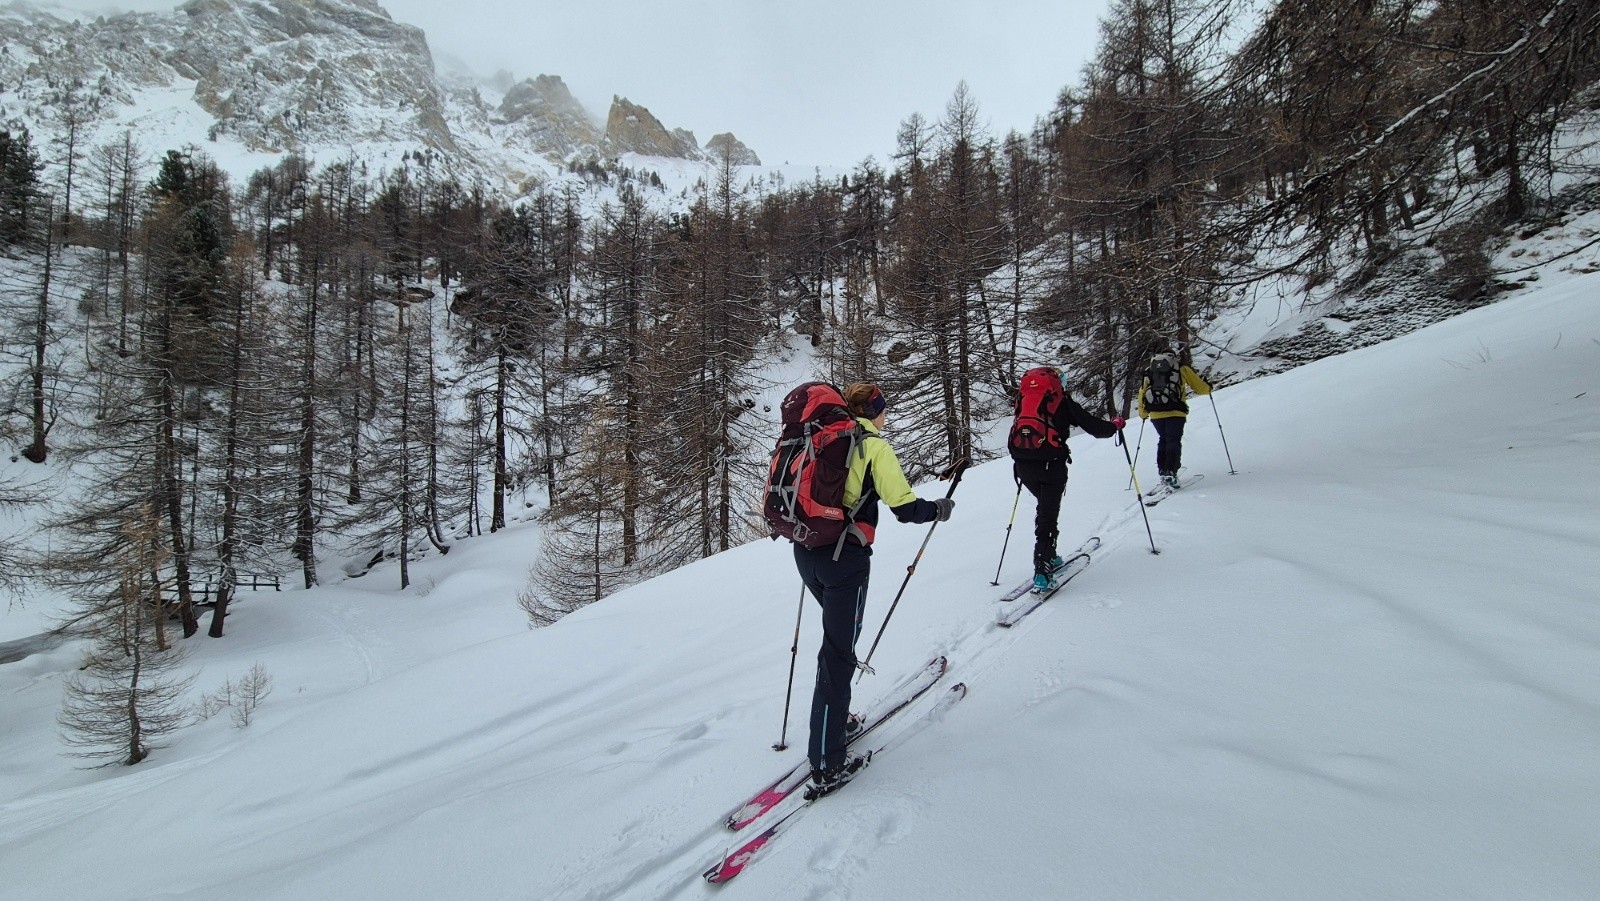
(1167, 384)
(837, 574)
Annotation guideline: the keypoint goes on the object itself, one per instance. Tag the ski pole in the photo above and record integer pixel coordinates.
(955, 479)
(1139, 498)
(1231, 470)
(1139, 444)
(1008, 534)
(788, 691)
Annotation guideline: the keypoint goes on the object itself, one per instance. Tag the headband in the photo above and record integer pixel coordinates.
(875, 404)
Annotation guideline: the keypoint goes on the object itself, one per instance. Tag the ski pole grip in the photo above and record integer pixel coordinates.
(956, 472)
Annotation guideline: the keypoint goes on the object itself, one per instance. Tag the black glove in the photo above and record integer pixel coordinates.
(945, 505)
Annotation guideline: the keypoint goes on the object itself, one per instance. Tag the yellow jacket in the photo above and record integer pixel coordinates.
(1191, 381)
(875, 474)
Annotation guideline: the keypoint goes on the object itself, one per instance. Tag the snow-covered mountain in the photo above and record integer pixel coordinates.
(249, 80)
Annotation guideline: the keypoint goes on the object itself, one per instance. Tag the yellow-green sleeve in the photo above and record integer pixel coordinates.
(1143, 387)
(1195, 382)
(888, 479)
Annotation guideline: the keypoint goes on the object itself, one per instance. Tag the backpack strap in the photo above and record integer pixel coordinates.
(858, 440)
(789, 495)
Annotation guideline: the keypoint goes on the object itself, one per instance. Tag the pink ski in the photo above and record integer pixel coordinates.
(900, 698)
(734, 862)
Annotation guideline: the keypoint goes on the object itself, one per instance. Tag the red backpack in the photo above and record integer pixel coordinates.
(804, 498)
(1034, 435)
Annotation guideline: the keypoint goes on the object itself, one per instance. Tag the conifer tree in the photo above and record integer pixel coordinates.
(127, 695)
(623, 281)
(949, 239)
(247, 510)
(19, 186)
(116, 169)
(508, 311)
(702, 379)
(394, 512)
(581, 548)
(1138, 159)
(73, 111)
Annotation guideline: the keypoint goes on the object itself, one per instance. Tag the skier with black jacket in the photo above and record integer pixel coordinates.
(1045, 414)
(1163, 400)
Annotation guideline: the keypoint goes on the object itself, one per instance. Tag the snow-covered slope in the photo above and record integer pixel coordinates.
(1367, 666)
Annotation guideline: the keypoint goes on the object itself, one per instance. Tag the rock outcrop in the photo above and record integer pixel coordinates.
(544, 113)
(726, 144)
(631, 128)
(276, 74)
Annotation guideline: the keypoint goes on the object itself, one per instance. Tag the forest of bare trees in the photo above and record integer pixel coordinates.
(328, 356)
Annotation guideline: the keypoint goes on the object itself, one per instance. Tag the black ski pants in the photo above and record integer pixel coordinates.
(1169, 444)
(840, 586)
(1047, 482)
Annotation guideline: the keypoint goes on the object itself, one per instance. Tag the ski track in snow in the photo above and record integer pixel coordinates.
(359, 645)
(28, 816)
(973, 648)
(675, 868)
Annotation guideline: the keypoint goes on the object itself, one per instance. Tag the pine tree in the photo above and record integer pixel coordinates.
(623, 283)
(581, 548)
(19, 187)
(126, 696)
(189, 238)
(507, 309)
(195, 231)
(711, 450)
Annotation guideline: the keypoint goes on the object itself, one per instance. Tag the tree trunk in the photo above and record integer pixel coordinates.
(37, 451)
(497, 517)
(305, 519)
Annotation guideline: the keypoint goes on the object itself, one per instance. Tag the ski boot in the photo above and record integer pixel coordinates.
(826, 782)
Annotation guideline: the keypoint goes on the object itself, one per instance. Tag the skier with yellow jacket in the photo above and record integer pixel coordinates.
(1167, 384)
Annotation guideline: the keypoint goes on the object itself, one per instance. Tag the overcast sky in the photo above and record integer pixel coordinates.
(816, 82)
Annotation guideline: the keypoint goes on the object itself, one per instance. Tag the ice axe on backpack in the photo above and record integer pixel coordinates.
(954, 475)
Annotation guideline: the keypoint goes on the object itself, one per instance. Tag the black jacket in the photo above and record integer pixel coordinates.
(1069, 413)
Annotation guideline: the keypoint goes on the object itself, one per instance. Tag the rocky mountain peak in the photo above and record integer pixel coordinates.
(726, 144)
(630, 128)
(543, 111)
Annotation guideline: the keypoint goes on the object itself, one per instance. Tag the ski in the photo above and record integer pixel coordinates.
(1161, 492)
(1087, 547)
(898, 699)
(734, 862)
(1077, 564)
